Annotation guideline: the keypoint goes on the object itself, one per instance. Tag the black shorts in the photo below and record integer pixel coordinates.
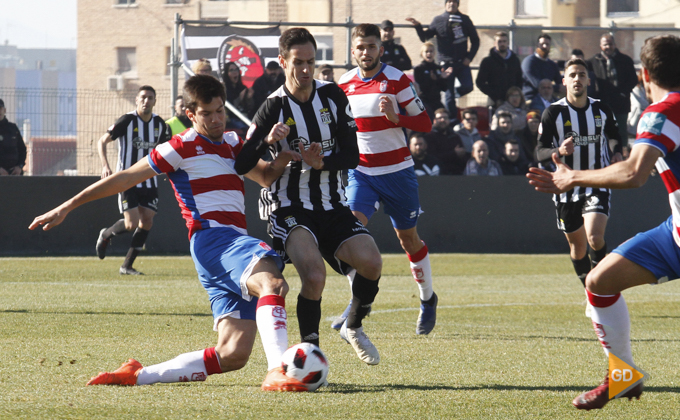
(135, 197)
(330, 230)
(570, 215)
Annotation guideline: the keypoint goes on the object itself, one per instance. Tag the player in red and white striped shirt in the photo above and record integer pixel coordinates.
(385, 173)
(241, 274)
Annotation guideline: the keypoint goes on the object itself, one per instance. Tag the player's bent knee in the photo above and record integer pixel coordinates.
(232, 358)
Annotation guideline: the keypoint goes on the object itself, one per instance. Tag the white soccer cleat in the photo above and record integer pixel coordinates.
(361, 344)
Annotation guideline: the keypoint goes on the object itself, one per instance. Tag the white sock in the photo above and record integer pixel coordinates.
(187, 367)
(422, 272)
(611, 322)
(272, 324)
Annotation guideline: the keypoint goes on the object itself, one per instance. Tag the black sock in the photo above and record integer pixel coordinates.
(117, 228)
(363, 295)
(582, 268)
(309, 317)
(136, 245)
(597, 256)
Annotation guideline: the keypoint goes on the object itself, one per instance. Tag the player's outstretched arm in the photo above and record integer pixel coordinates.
(118, 182)
(265, 173)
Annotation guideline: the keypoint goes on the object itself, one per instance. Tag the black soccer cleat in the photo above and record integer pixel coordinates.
(102, 244)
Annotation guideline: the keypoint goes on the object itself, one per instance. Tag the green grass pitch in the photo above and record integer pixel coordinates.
(511, 342)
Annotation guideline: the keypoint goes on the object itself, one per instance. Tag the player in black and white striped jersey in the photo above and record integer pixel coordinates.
(137, 133)
(582, 130)
(309, 218)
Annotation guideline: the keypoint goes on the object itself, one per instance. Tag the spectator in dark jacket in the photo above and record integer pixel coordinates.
(499, 71)
(539, 66)
(446, 145)
(238, 94)
(264, 85)
(12, 147)
(430, 79)
(615, 79)
(512, 161)
(394, 54)
(497, 138)
(423, 162)
(545, 96)
(453, 31)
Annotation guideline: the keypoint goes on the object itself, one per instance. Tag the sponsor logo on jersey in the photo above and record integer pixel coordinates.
(141, 144)
(598, 121)
(295, 144)
(251, 130)
(290, 221)
(652, 122)
(325, 116)
(383, 86)
(199, 150)
(582, 140)
(290, 121)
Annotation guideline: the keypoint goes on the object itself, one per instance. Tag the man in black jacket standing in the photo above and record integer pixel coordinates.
(453, 31)
(616, 78)
(395, 55)
(499, 71)
(12, 147)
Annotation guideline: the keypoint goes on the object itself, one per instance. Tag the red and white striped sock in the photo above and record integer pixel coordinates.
(187, 367)
(611, 322)
(422, 272)
(272, 323)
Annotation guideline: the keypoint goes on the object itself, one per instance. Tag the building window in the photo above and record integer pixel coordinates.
(176, 1)
(125, 2)
(127, 61)
(530, 7)
(324, 48)
(622, 6)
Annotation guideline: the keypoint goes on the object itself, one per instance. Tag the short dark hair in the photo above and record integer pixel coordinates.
(577, 51)
(441, 111)
(147, 87)
(294, 36)
(576, 61)
(501, 34)
(179, 97)
(366, 29)
(470, 111)
(416, 134)
(512, 141)
(546, 36)
(203, 88)
(504, 114)
(660, 55)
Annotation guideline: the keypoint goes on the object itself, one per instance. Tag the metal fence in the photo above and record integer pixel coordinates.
(61, 126)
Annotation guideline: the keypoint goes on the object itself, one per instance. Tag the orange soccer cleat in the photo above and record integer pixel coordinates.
(124, 375)
(276, 380)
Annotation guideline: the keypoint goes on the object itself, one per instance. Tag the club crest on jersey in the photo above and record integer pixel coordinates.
(199, 150)
(598, 121)
(290, 221)
(155, 132)
(651, 122)
(383, 86)
(251, 130)
(325, 116)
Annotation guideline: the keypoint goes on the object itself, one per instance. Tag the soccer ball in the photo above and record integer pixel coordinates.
(306, 363)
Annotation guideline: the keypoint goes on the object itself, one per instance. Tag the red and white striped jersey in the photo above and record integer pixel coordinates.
(659, 127)
(382, 144)
(209, 191)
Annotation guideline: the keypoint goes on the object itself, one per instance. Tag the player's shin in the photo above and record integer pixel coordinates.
(597, 256)
(611, 322)
(187, 367)
(363, 295)
(272, 324)
(582, 268)
(422, 272)
(136, 245)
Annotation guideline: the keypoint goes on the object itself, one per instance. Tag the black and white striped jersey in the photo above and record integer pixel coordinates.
(590, 127)
(325, 118)
(136, 139)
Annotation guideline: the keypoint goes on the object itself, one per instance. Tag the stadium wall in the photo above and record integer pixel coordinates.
(461, 214)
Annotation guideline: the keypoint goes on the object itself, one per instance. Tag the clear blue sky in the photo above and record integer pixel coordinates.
(39, 23)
